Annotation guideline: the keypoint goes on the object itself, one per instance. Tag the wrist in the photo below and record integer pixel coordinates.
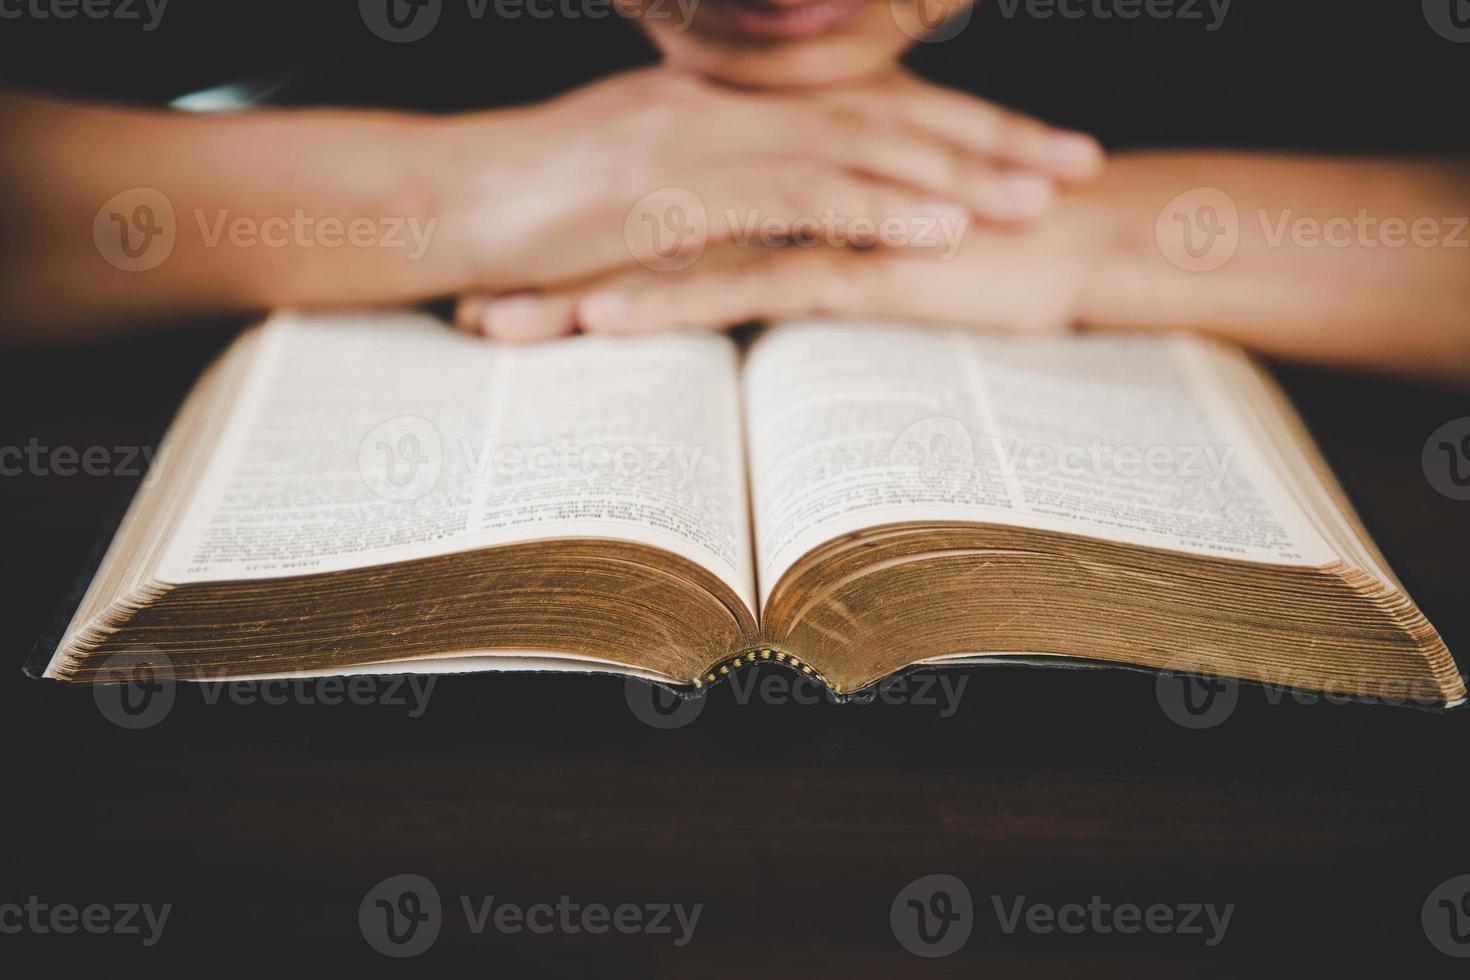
(419, 180)
(1118, 257)
(350, 211)
(475, 169)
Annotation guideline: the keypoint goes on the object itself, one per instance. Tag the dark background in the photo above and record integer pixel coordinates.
(1326, 825)
(1289, 74)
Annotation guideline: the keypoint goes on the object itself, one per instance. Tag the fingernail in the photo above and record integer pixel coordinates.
(940, 210)
(1026, 194)
(1075, 153)
(510, 317)
(604, 311)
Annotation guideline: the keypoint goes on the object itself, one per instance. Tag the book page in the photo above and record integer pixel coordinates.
(366, 438)
(1122, 437)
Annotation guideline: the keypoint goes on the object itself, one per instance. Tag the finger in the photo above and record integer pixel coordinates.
(989, 289)
(468, 311)
(775, 200)
(1000, 135)
(781, 283)
(933, 162)
(528, 317)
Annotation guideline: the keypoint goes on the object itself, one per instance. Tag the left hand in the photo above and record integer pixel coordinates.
(1031, 279)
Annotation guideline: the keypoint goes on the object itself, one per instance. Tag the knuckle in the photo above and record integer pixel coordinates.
(798, 188)
(1017, 136)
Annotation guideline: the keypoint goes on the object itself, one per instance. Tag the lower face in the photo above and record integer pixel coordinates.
(791, 43)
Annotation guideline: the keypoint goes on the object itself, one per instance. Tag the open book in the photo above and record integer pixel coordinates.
(374, 492)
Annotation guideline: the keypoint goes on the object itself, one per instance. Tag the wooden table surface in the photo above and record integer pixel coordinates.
(1326, 826)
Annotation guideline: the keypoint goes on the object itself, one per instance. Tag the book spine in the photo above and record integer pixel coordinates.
(749, 658)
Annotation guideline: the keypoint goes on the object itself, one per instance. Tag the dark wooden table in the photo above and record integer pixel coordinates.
(1327, 826)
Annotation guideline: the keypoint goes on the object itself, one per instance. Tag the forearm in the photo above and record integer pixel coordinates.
(1353, 262)
(268, 209)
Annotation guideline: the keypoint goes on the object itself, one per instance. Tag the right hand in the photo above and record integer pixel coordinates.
(550, 194)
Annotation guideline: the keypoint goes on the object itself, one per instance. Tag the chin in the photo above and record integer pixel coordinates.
(809, 66)
(865, 43)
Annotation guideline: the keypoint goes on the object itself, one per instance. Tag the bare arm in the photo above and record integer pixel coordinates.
(81, 255)
(125, 215)
(1363, 262)
(1357, 262)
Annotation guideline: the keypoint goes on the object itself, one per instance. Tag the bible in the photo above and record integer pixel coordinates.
(373, 492)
